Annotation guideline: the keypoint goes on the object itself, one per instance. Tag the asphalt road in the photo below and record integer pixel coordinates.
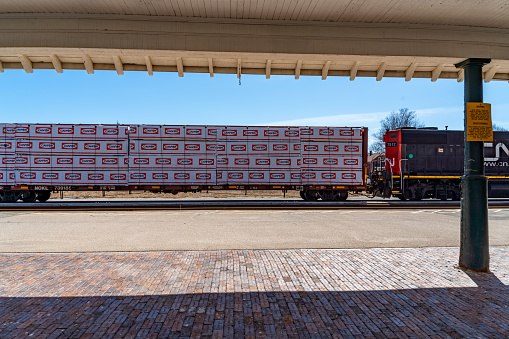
(54, 231)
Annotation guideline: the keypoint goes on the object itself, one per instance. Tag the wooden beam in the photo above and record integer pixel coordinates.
(211, 67)
(150, 68)
(180, 67)
(118, 65)
(27, 64)
(298, 68)
(436, 72)
(325, 70)
(268, 66)
(461, 75)
(239, 68)
(353, 70)
(381, 71)
(488, 76)
(89, 65)
(409, 73)
(56, 63)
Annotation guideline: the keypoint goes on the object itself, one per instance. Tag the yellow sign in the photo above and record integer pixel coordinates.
(479, 126)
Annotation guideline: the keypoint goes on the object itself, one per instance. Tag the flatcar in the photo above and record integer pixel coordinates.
(323, 163)
(428, 163)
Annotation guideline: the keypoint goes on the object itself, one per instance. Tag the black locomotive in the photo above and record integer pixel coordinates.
(428, 163)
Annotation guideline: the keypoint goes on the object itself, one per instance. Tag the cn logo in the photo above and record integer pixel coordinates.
(352, 148)
(348, 176)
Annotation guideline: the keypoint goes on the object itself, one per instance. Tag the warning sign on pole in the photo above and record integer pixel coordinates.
(479, 126)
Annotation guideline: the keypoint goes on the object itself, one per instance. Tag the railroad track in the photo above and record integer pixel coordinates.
(126, 205)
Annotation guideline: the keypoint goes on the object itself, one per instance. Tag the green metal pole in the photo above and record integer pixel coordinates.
(474, 246)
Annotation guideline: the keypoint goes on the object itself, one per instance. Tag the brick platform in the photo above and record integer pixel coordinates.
(381, 293)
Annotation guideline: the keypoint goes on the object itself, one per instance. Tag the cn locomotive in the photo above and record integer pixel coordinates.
(428, 163)
(323, 163)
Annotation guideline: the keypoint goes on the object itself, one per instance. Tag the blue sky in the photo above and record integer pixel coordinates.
(136, 97)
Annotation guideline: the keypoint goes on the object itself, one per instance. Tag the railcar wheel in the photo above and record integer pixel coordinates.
(400, 197)
(43, 196)
(302, 195)
(28, 196)
(311, 195)
(342, 196)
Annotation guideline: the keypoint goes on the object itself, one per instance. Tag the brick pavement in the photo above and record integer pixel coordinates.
(380, 293)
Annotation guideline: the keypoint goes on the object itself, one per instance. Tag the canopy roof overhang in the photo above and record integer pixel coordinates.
(406, 39)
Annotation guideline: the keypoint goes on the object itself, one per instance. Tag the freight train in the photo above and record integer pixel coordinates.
(323, 163)
(428, 163)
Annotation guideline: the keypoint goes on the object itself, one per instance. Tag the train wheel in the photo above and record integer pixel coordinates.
(311, 195)
(342, 196)
(28, 197)
(302, 195)
(400, 197)
(43, 196)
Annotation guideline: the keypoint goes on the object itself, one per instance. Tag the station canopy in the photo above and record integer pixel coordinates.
(351, 38)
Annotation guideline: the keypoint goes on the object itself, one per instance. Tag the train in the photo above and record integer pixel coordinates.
(322, 163)
(427, 163)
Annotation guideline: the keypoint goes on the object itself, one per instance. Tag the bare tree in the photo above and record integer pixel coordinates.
(498, 128)
(396, 119)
